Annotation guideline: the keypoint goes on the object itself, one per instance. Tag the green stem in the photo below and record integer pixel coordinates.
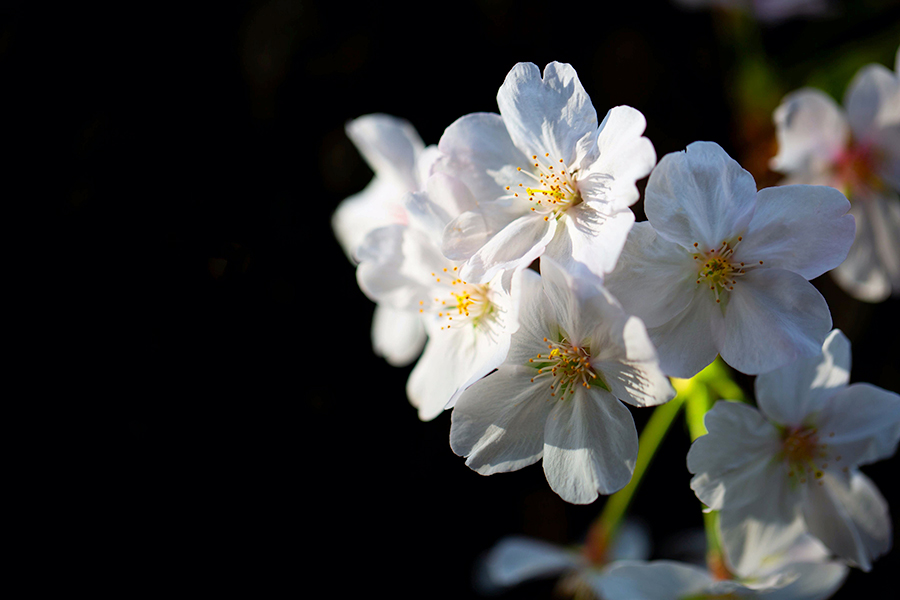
(607, 524)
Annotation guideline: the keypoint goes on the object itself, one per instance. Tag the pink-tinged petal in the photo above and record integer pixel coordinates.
(590, 446)
(516, 559)
(850, 517)
(861, 424)
(790, 394)
(453, 360)
(801, 228)
(379, 204)
(732, 461)
(811, 130)
(476, 148)
(625, 157)
(872, 266)
(498, 422)
(654, 278)
(515, 246)
(869, 95)
(397, 335)
(700, 195)
(656, 580)
(773, 318)
(550, 114)
(591, 238)
(690, 340)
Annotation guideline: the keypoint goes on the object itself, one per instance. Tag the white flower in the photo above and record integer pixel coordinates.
(468, 325)
(557, 395)
(546, 176)
(791, 466)
(722, 269)
(857, 152)
(516, 559)
(401, 162)
(804, 573)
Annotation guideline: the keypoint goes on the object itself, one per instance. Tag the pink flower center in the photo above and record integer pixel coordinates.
(805, 454)
(856, 169)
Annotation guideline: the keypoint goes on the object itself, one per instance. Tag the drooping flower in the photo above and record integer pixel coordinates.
(802, 573)
(545, 175)
(516, 559)
(401, 163)
(558, 396)
(791, 466)
(723, 269)
(857, 151)
(468, 325)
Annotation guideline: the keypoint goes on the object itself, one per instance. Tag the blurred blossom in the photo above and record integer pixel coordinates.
(767, 11)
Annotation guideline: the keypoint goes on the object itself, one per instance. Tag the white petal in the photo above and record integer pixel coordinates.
(860, 423)
(475, 149)
(654, 278)
(690, 340)
(801, 228)
(591, 238)
(444, 199)
(814, 581)
(467, 233)
(852, 520)
(871, 91)
(378, 205)
(513, 247)
(625, 157)
(498, 422)
(527, 342)
(790, 394)
(773, 317)
(515, 559)
(546, 115)
(812, 131)
(390, 145)
(656, 580)
(397, 335)
(732, 461)
(700, 195)
(873, 263)
(590, 445)
(453, 360)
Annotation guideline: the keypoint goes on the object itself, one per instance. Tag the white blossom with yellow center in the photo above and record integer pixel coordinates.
(558, 396)
(791, 466)
(720, 268)
(548, 177)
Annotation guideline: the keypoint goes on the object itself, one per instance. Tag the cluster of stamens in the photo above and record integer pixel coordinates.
(718, 270)
(466, 302)
(805, 455)
(556, 190)
(567, 365)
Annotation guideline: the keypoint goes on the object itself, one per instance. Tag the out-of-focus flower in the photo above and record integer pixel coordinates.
(723, 269)
(767, 11)
(802, 573)
(468, 325)
(558, 395)
(516, 559)
(857, 151)
(791, 466)
(546, 176)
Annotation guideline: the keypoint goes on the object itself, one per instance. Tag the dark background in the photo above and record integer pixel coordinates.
(226, 426)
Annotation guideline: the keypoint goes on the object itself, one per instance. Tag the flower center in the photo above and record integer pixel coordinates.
(718, 270)
(553, 190)
(463, 304)
(566, 366)
(804, 454)
(855, 170)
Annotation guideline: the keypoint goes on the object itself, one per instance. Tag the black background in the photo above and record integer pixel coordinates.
(227, 427)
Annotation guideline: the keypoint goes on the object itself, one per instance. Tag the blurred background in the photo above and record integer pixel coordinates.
(240, 435)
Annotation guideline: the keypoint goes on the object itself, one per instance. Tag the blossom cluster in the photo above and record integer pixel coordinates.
(507, 264)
